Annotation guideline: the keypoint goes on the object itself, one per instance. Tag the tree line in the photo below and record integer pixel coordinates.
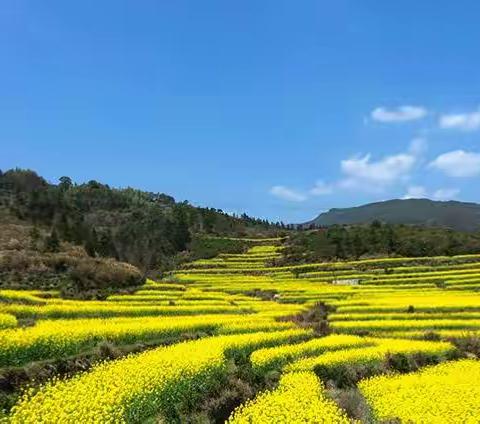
(378, 239)
(148, 230)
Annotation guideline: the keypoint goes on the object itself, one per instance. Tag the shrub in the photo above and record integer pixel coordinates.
(90, 273)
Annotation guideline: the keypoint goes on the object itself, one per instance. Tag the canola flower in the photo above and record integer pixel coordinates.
(29, 297)
(153, 301)
(442, 334)
(397, 301)
(221, 263)
(59, 338)
(7, 321)
(448, 393)
(331, 361)
(264, 249)
(400, 273)
(300, 398)
(275, 357)
(140, 386)
(80, 309)
(254, 324)
(371, 263)
(412, 324)
(153, 285)
(229, 296)
(404, 316)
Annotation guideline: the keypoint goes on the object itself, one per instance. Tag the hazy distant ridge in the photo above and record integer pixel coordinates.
(460, 216)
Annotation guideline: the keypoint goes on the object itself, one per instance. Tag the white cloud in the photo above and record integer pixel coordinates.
(286, 193)
(415, 192)
(461, 121)
(363, 173)
(458, 163)
(374, 176)
(446, 193)
(321, 188)
(420, 192)
(363, 170)
(399, 114)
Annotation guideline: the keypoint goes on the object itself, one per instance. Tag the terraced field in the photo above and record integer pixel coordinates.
(236, 339)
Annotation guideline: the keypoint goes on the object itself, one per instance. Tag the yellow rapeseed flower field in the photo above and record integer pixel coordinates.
(263, 359)
(442, 394)
(300, 398)
(371, 355)
(7, 321)
(336, 321)
(137, 387)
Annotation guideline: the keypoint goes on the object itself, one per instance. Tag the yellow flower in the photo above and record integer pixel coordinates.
(441, 394)
(300, 398)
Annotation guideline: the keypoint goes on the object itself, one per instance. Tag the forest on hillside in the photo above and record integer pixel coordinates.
(83, 238)
(94, 233)
(340, 242)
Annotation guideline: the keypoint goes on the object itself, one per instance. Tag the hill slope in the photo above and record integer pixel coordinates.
(91, 236)
(459, 216)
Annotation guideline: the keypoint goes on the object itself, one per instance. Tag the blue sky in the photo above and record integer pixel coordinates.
(278, 108)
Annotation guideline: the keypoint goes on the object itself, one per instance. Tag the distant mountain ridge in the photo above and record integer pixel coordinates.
(460, 216)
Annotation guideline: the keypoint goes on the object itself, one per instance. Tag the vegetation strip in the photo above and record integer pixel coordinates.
(299, 398)
(444, 393)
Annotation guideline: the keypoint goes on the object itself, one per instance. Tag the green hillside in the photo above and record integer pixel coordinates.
(459, 216)
(85, 237)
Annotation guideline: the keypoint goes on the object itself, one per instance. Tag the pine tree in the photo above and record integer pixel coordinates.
(91, 243)
(181, 233)
(34, 237)
(52, 243)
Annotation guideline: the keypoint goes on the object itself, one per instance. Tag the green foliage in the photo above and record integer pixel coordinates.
(148, 230)
(208, 247)
(355, 241)
(52, 243)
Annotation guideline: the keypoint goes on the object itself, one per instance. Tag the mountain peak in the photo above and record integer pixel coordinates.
(461, 216)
